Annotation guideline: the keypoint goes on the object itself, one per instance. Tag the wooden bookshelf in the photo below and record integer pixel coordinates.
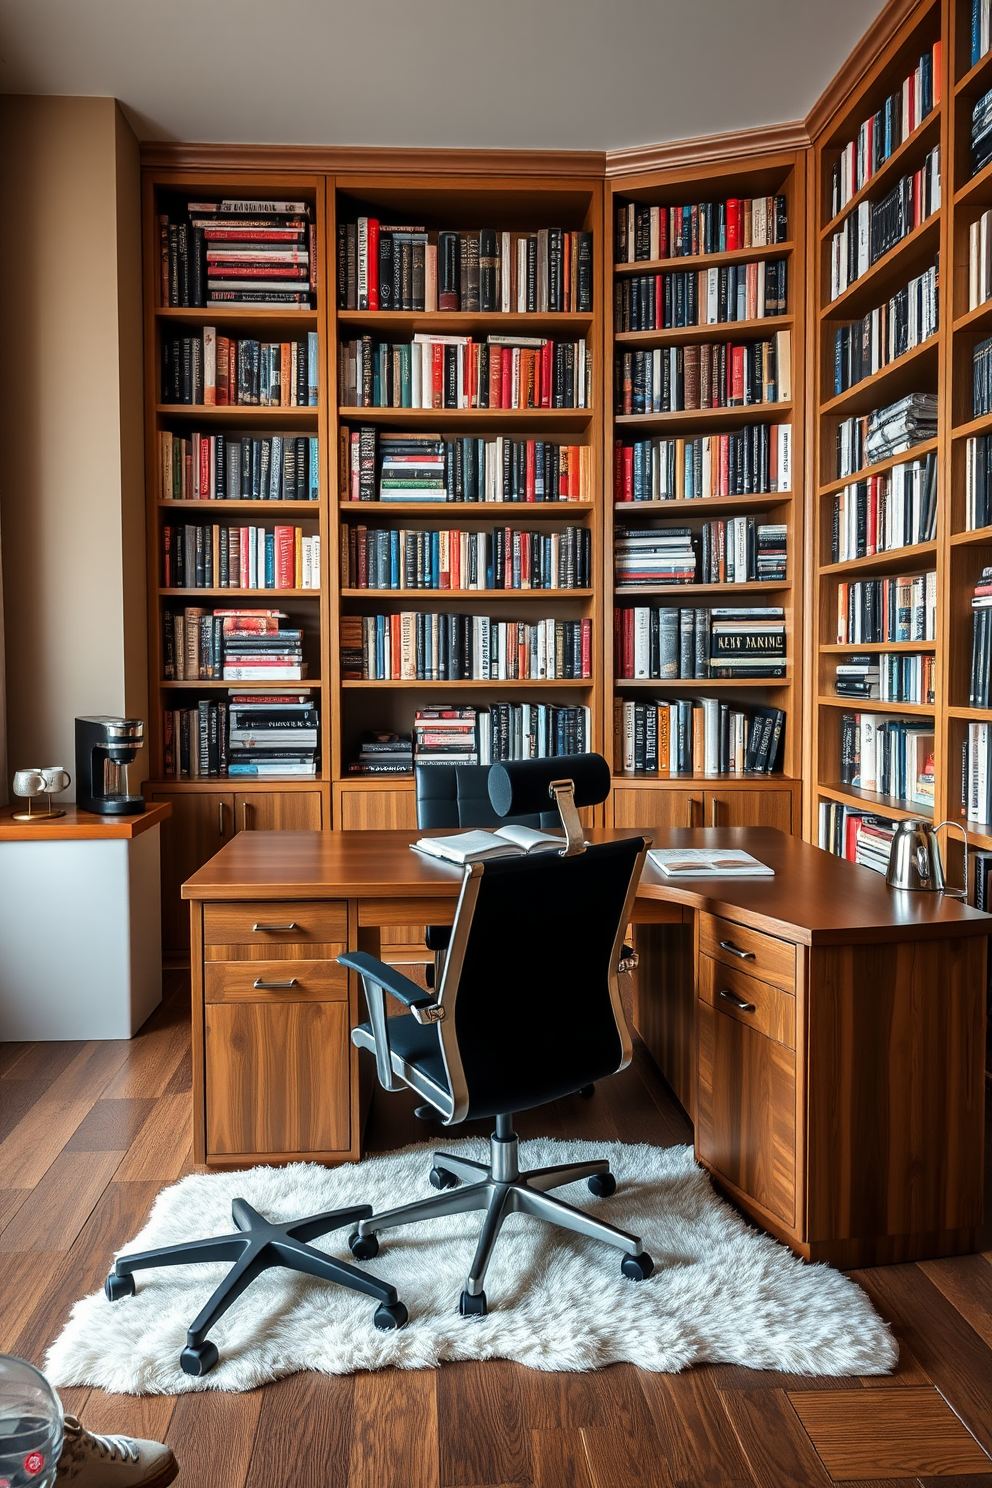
(673, 799)
(923, 369)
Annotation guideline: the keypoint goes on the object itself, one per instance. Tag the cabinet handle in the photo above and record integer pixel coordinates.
(713, 821)
(245, 818)
(220, 818)
(262, 926)
(689, 805)
(275, 986)
(731, 997)
(728, 945)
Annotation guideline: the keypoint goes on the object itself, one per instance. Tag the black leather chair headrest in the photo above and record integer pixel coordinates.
(521, 786)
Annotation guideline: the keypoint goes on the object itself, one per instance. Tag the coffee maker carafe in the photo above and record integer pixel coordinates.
(104, 749)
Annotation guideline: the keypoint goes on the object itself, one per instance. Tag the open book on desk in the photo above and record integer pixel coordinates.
(473, 847)
(707, 862)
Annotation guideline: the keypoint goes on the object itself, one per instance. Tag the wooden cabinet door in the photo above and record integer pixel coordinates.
(746, 1110)
(277, 1077)
(377, 810)
(640, 806)
(278, 811)
(199, 826)
(748, 808)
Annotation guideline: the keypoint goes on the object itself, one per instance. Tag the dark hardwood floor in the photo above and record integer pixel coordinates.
(89, 1133)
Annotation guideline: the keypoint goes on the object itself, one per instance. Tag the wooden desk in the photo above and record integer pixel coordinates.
(824, 1032)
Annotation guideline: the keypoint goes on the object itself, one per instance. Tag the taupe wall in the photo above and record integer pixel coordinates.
(71, 507)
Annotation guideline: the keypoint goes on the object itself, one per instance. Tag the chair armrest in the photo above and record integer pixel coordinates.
(393, 981)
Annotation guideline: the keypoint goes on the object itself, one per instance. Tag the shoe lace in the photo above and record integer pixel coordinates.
(109, 1447)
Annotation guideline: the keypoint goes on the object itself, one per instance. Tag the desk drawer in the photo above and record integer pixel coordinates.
(759, 955)
(766, 1009)
(312, 981)
(275, 922)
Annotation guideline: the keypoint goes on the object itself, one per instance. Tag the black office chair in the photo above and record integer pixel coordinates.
(528, 1011)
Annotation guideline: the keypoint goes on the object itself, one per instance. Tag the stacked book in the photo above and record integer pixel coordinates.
(219, 557)
(425, 467)
(382, 752)
(414, 646)
(194, 740)
(978, 482)
(887, 511)
(220, 371)
(874, 228)
(887, 431)
(445, 735)
(672, 379)
(982, 371)
(649, 556)
(891, 756)
(882, 134)
(976, 774)
(453, 558)
(903, 608)
(742, 550)
(697, 735)
(981, 133)
(385, 267)
(272, 734)
(980, 260)
(859, 677)
(717, 296)
(755, 460)
(644, 232)
(228, 467)
(661, 644)
(436, 371)
(866, 346)
(979, 694)
(257, 649)
(239, 253)
(747, 643)
(857, 835)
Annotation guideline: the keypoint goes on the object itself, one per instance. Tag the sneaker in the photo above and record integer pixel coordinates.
(92, 1461)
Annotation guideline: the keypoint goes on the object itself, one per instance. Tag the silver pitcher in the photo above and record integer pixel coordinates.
(914, 857)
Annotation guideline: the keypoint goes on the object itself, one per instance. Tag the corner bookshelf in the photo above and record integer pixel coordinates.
(510, 204)
(839, 790)
(667, 798)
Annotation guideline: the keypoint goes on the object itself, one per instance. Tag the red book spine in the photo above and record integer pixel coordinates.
(437, 375)
(530, 487)
(495, 376)
(734, 214)
(737, 375)
(167, 557)
(395, 645)
(626, 468)
(547, 365)
(628, 643)
(285, 543)
(574, 473)
(222, 394)
(244, 536)
(663, 233)
(204, 491)
(724, 465)
(373, 269)
(586, 646)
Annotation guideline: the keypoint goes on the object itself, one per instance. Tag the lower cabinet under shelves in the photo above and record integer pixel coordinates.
(705, 803)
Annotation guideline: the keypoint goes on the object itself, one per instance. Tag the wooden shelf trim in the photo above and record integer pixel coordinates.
(838, 647)
(486, 509)
(463, 322)
(689, 261)
(873, 803)
(918, 452)
(271, 508)
(753, 586)
(891, 559)
(477, 683)
(772, 413)
(875, 381)
(215, 683)
(486, 594)
(875, 705)
(703, 505)
(724, 330)
(705, 683)
(243, 593)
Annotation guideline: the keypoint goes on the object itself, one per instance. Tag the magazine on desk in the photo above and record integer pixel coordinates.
(473, 847)
(707, 862)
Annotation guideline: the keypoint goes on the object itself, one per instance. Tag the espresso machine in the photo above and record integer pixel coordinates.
(104, 749)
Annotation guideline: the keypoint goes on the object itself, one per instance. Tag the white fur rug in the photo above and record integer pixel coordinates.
(720, 1292)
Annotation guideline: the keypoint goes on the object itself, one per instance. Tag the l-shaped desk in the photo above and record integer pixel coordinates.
(825, 1033)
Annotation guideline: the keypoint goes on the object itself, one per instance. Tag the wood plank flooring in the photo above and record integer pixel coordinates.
(89, 1133)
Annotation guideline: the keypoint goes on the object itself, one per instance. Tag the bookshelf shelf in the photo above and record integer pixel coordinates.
(555, 684)
(919, 143)
(630, 591)
(488, 510)
(723, 330)
(241, 415)
(481, 418)
(977, 537)
(890, 273)
(698, 418)
(705, 507)
(703, 260)
(892, 806)
(704, 684)
(977, 79)
(981, 425)
(839, 647)
(558, 324)
(883, 563)
(975, 190)
(232, 594)
(240, 686)
(875, 705)
(978, 319)
(428, 596)
(904, 375)
(242, 316)
(980, 715)
(918, 452)
(241, 508)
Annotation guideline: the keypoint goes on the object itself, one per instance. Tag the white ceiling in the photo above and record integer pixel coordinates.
(566, 74)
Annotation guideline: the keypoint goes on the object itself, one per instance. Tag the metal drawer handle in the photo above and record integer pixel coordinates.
(731, 997)
(725, 945)
(260, 926)
(273, 986)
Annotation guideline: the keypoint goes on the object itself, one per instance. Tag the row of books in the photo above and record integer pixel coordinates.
(659, 644)
(260, 735)
(234, 252)
(229, 467)
(670, 379)
(230, 646)
(982, 378)
(197, 556)
(755, 460)
(904, 321)
(978, 481)
(886, 511)
(457, 372)
(725, 293)
(477, 735)
(976, 774)
(223, 372)
(419, 646)
(888, 677)
(689, 736)
(893, 430)
(644, 232)
(872, 229)
(738, 551)
(860, 836)
(891, 756)
(882, 134)
(981, 39)
(980, 879)
(979, 691)
(902, 608)
(376, 466)
(382, 267)
(981, 133)
(980, 260)
(453, 558)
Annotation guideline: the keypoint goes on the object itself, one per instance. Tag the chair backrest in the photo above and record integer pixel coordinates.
(530, 990)
(458, 796)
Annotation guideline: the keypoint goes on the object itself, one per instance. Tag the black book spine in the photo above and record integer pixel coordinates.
(386, 272)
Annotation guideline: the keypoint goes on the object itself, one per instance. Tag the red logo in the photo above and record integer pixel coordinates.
(4, 1483)
(34, 1462)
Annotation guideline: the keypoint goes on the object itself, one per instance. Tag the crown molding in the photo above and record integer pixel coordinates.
(882, 31)
(707, 149)
(372, 160)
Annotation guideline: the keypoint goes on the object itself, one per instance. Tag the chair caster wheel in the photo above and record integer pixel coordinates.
(199, 1361)
(587, 1092)
(390, 1315)
(115, 1287)
(363, 1247)
(472, 1304)
(637, 1267)
(443, 1178)
(602, 1185)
